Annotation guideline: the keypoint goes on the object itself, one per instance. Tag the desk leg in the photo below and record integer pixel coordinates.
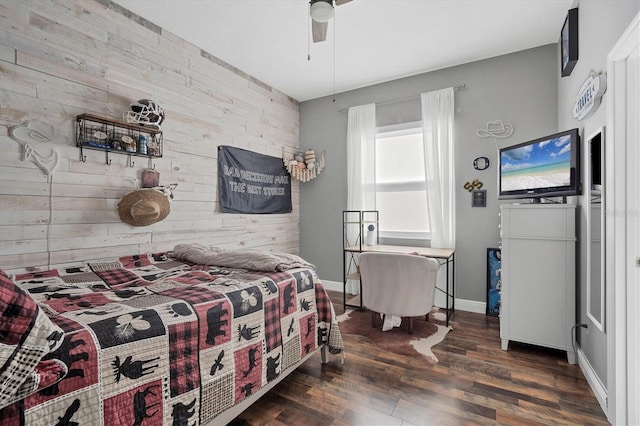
(453, 283)
(448, 295)
(344, 284)
(451, 289)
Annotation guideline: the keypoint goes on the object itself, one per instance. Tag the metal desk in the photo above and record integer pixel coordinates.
(445, 256)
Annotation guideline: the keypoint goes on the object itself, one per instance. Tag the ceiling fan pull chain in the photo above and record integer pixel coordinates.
(309, 33)
(335, 21)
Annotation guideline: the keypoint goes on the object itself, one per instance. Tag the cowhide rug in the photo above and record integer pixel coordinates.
(426, 334)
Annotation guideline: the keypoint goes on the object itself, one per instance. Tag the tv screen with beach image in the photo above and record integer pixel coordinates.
(544, 164)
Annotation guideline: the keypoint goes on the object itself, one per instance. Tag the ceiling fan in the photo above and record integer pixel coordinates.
(321, 12)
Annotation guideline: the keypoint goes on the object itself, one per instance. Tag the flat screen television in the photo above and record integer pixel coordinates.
(543, 167)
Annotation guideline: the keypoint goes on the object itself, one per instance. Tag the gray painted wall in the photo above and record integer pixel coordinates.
(519, 88)
(600, 25)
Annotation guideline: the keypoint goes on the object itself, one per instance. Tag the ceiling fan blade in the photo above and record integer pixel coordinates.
(339, 2)
(319, 30)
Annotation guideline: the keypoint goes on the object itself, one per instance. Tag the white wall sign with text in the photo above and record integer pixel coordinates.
(589, 96)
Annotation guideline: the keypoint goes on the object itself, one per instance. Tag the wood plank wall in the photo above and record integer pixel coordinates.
(62, 58)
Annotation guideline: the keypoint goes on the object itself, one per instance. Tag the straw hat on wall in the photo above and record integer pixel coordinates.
(143, 207)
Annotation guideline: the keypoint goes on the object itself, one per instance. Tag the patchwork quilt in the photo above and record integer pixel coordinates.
(149, 339)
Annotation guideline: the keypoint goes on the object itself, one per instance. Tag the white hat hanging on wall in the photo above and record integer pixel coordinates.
(496, 129)
(32, 131)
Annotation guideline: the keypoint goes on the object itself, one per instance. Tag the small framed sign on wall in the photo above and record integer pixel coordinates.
(569, 43)
(479, 198)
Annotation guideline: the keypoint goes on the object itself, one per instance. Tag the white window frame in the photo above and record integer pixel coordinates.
(393, 130)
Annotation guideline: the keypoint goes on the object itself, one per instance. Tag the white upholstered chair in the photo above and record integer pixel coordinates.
(398, 284)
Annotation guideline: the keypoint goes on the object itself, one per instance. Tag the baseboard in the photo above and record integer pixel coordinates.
(471, 306)
(597, 387)
(332, 285)
(461, 304)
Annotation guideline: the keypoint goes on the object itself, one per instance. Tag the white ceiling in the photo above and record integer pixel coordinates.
(374, 40)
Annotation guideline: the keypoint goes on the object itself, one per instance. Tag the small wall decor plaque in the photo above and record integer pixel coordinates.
(479, 198)
(590, 95)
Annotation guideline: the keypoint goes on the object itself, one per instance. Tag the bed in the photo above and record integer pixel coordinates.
(191, 336)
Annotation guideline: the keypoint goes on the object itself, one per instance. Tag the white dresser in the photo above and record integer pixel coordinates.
(538, 301)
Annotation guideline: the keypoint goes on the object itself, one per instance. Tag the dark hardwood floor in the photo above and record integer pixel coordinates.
(475, 382)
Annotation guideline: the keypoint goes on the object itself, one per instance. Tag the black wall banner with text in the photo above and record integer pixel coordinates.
(252, 182)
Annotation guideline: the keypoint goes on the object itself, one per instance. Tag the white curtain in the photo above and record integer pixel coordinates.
(437, 128)
(361, 173)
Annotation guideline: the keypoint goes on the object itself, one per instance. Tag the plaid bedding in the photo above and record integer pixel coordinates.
(26, 336)
(152, 340)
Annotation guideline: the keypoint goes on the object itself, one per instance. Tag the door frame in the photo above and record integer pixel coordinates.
(621, 221)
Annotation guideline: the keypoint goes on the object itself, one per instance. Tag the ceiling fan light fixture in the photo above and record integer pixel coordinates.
(321, 10)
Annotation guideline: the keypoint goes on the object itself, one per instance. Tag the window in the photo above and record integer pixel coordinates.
(400, 182)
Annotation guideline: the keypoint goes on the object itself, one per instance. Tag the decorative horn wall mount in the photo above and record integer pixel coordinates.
(34, 132)
(303, 166)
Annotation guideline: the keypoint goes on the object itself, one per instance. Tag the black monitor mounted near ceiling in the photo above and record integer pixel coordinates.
(569, 43)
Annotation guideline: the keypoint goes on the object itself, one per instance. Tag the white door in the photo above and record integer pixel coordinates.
(623, 227)
(633, 240)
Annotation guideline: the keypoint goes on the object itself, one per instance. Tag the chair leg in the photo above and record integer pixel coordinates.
(373, 319)
(410, 325)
